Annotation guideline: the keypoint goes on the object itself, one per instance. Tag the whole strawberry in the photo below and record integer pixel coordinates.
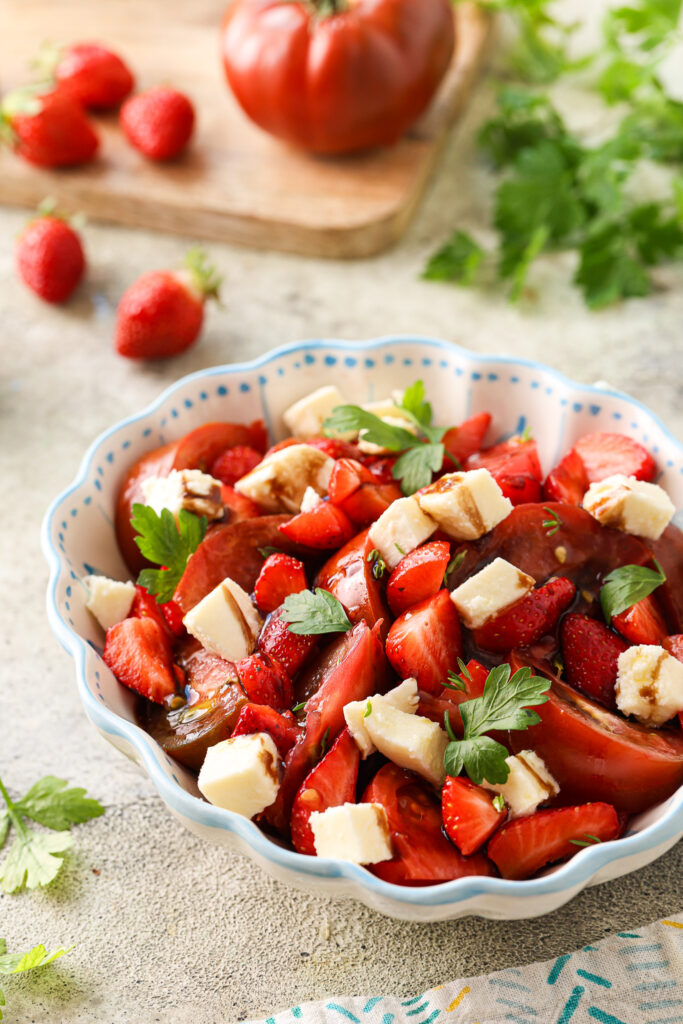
(89, 73)
(158, 122)
(161, 314)
(49, 256)
(50, 129)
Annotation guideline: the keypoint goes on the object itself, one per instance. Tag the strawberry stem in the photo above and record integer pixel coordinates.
(205, 276)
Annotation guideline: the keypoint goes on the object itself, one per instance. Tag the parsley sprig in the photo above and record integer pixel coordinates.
(505, 704)
(627, 585)
(35, 858)
(167, 543)
(18, 963)
(312, 613)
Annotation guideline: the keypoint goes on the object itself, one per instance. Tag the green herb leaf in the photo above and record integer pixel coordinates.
(18, 963)
(482, 758)
(415, 467)
(310, 614)
(51, 803)
(454, 682)
(379, 566)
(33, 860)
(268, 551)
(588, 841)
(368, 710)
(552, 524)
(299, 707)
(499, 802)
(166, 543)
(627, 585)
(455, 563)
(458, 260)
(350, 418)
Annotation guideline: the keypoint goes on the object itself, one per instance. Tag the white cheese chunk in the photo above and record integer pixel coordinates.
(225, 621)
(528, 784)
(187, 489)
(465, 505)
(630, 505)
(408, 740)
(387, 407)
(490, 591)
(305, 418)
(370, 448)
(404, 697)
(649, 684)
(310, 500)
(108, 600)
(241, 774)
(358, 833)
(401, 528)
(280, 482)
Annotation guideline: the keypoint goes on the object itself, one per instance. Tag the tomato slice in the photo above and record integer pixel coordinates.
(668, 551)
(201, 447)
(348, 576)
(158, 462)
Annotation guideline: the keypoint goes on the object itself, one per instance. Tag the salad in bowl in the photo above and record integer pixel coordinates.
(388, 636)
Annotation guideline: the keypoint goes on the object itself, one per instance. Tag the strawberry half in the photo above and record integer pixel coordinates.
(515, 467)
(291, 650)
(137, 652)
(462, 442)
(418, 575)
(524, 846)
(469, 816)
(235, 463)
(568, 481)
(674, 645)
(334, 447)
(642, 623)
(325, 527)
(331, 783)
(282, 728)
(346, 477)
(426, 642)
(605, 454)
(265, 681)
(369, 501)
(529, 619)
(381, 467)
(280, 576)
(590, 652)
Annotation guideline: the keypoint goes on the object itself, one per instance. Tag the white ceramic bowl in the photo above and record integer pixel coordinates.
(78, 538)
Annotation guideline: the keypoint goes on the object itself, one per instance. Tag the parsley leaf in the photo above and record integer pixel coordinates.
(458, 260)
(414, 468)
(18, 963)
(167, 543)
(626, 586)
(311, 614)
(50, 803)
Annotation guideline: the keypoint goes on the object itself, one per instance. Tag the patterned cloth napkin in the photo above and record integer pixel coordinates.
(630, 978)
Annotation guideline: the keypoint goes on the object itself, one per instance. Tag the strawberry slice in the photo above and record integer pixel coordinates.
(265, 681)
(331, 783)
(235, 463)
(463, 441)
(418, 575)
(605, 454)
(469, 816)
(435, 707)
(283, 728)
(528, 620)
(290, 649)
(205, 673)
(642, 623)
(674, 645)
(369, 501)
(346, 477)
(334, 447)
(280, 576)
(591, 652)
(239, 506)
(137, 652)
(422, 853)
(426, 642)
(568, 481)
(524, 846)
(145, 606)
(515, 467)
(325, 527)
(381, 467)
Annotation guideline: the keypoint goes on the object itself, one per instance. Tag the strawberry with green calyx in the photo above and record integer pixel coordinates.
(89, 73)
(47, 127)
(162, 313)
(49, 254)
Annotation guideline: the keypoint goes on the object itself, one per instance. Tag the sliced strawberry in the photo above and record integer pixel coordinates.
(674, 645)
(173, 617)
(326, 526)
(524, 846)
(568, 481)
(265, 681)
(469, 816)
(258, 435)
(347, 476)
(605, 454)
(290, 649)
(137, 652)
(590, 652)
(282, 727)
(367, 504)
(205, 673)
(528, 620)
(335, 448)
(435, 707)
(418, 575)
(426, 642)
(422, 853)
(515, 467)
(331, 783)
(642, 623)
(235, 463)
(280, 576)
(381, 467)
(239, 506)
(145, 606)
(463, 441)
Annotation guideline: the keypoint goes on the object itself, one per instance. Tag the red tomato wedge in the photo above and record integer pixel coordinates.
(348, 576)
(201, 447)
(331, 783)
(205, 673)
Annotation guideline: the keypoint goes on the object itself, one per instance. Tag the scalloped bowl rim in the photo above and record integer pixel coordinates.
(570, 877)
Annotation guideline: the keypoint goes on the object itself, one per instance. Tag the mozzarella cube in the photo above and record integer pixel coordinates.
(403, 697)
(241, 774)
(490, 591)
(225, 621)
(279, 483)
(649, 684)
(369, 448)
(310, 500)
(358, 833)
(108, 600)
(187, 489)
(528, 784)
(306, 417)
(630, 505)
(408, 740)
(465, 505)
(401, 528)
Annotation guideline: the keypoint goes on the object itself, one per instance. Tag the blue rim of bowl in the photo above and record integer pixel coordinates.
(570, 877)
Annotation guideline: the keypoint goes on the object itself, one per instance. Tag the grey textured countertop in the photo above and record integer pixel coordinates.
(165, 927)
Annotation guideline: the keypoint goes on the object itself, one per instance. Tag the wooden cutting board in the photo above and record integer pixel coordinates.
(236, 184)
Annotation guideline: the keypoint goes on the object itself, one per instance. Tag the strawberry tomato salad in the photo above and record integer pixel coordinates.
(387, 642)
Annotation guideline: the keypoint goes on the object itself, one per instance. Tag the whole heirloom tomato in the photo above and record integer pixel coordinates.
(336, 76)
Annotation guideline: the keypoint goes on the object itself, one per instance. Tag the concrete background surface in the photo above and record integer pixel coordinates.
(166, 928)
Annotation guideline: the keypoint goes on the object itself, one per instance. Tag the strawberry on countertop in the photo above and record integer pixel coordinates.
(49, 255)
(590, 652)
(88, 72)
(49, 129)
(158, 122)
